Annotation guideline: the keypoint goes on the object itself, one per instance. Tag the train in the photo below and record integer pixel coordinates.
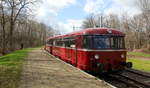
(97, 50)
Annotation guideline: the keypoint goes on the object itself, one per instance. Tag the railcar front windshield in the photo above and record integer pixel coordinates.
(105, 42)
(101, 42)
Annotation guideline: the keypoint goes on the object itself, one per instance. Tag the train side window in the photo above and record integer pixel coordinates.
(115, 39)
(87, 42)
(50, 42)
(59, 42)
(112, 44)
(117, 42)
(72, 43)
(63, 42)
(54, 42)
(121, 42)
(67, 43)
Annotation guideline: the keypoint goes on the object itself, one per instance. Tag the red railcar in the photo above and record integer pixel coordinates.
(93, 49)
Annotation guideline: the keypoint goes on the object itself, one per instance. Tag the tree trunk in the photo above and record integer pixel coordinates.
(11, 45)
(4, 41)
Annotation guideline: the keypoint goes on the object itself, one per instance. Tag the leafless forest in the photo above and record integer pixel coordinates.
(137, 28)
(17, 29)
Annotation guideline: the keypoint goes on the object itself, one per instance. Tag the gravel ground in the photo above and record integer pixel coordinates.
(41, 70)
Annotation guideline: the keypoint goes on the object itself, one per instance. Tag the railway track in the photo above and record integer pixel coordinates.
(132, 78)
(142, 73)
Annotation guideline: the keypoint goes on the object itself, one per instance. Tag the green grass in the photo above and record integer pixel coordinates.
(139, 54)
(140, 64)
(11, 67)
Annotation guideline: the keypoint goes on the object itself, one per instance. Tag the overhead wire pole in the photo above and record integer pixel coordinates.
(101, 21)
(74, 28)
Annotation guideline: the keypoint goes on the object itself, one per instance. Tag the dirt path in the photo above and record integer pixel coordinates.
(44, 71)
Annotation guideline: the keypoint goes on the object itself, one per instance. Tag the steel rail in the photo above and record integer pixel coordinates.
(138, 82)
(141, 73)
(125, 81)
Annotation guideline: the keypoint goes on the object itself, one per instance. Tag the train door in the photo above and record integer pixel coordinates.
(76, 55)
(67, 50)
(87, 44)
(51, 46)
(73, 51)
(78, 44)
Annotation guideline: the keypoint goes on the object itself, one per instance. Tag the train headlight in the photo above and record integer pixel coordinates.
(96, 56)
(122, 56)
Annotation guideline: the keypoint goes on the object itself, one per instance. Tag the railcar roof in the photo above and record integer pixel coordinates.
(93, 31)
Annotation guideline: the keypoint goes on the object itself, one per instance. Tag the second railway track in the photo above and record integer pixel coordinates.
(131, 78)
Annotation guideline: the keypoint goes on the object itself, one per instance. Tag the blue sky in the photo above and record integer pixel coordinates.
(63, 14)
(72, 12)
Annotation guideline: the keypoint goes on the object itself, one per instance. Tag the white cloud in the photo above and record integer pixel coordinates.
(126, 3)
(123, 6)
(93, 6)
(121, 10)
(48, 10)
(68, 27)
(54, 6)
(112, 6)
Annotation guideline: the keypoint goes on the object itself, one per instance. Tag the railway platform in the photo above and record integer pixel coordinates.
(42, 70)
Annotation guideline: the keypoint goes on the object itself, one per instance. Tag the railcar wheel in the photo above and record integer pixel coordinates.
(129, 65)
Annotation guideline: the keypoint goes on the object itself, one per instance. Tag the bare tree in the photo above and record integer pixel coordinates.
(15, 9)
(17, 29)
(89, 22)
(3, 19)
(100, 20)
(144, 5)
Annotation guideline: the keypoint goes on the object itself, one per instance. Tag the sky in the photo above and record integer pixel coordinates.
(64, 14)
